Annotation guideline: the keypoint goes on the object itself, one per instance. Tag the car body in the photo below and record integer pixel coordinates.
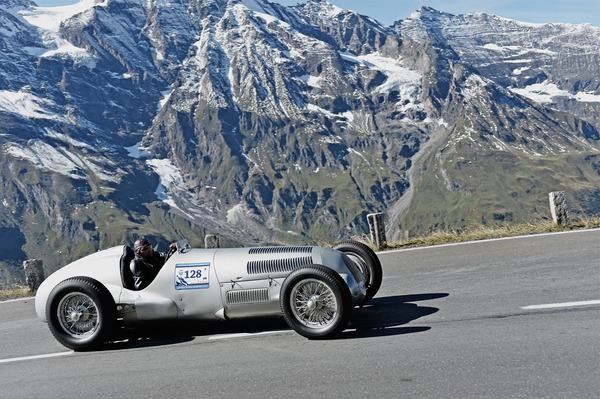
(315, 288)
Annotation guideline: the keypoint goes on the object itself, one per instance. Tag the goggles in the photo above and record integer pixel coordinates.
(142, 249)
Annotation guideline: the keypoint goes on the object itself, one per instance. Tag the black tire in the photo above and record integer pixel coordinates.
(368, 263)
(316, 302)
(81, 313)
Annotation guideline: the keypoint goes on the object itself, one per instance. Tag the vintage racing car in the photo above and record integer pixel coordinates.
(314, 288)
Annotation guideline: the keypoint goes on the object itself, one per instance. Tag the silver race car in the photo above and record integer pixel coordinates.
(314, 288)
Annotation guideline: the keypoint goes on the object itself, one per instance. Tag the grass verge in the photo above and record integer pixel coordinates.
(477, 233)
(15, 292)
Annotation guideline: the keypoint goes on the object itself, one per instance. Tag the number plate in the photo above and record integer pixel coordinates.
(190, 276)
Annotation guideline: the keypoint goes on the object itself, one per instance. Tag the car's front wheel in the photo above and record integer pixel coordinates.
(368, 263)
(81, 313)
(316, 302)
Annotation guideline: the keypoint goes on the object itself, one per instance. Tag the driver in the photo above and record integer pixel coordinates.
(147, 262)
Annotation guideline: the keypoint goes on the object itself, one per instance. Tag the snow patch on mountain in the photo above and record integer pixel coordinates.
(515, 51)
(587, 97)
(163, 101)
(101, 168)
(316, 108)
(67, 140)
(312, 81)
(398, 77)
(236, 214)
(546, 93)
(45, 157)
(49, 19)
(171, 181)
(28, 105)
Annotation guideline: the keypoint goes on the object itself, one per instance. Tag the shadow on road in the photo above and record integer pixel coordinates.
(386, 316)
(380, 317)
(169, 333)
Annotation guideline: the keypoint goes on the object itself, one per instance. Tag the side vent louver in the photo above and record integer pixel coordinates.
(248, 296)
(280, 250)
(272, 266)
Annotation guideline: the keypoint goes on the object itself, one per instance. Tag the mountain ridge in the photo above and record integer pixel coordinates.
(272, 124)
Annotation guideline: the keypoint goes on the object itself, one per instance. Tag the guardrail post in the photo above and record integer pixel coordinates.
(211, 241)
(34, 273)
(377, 227)
(558, 207)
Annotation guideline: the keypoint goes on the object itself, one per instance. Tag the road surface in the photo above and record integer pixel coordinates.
(509, 318)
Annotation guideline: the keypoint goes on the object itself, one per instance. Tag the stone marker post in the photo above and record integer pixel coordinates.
(34, 273)
(377, 227)
(211, 241)
(558, 207)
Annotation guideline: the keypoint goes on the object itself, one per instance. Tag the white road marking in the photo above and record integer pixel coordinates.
(244, 335)
(562, 305)
(35, 357)
(30, 298)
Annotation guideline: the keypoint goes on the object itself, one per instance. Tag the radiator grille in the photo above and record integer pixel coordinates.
(280, 250)
(277, 265)
(248, 296)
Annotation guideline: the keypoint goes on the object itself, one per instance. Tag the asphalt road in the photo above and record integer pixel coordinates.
(512, 318)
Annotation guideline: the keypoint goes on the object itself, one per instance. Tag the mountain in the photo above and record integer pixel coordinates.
(522, 121)
(271, 124)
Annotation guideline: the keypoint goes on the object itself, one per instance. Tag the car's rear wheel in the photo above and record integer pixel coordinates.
(368, 263)
(316, 302)
(81, 313)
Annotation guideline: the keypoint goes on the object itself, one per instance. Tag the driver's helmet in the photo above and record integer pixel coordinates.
(141, 245)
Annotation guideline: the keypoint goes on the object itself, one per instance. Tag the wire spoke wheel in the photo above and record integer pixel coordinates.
(81, 313)
(313, 303)
(316, 302)
(78, 315)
